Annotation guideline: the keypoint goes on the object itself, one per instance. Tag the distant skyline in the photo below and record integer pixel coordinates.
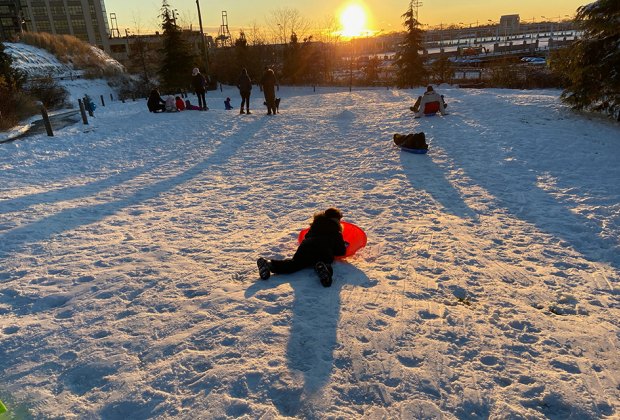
(382, 15)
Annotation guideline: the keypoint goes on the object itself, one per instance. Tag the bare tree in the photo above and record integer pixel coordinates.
(329, 32)
(284, 22)
(255, 35)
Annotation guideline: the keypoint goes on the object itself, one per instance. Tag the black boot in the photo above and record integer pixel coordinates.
(264, 268)
(324, 272)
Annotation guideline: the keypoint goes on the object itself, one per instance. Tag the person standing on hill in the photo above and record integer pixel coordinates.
(200, 87)
(244, 83)
(269, 82)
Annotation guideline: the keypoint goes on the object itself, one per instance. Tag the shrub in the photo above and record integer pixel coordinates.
(14, 107)
(50, 93)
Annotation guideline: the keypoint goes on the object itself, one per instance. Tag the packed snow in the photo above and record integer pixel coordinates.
(488, 288)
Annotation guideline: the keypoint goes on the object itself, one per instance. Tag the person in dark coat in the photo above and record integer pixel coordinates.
(155, 102)
(322, 243)
(269, 82)
(244, 83)
(200, 88)
(411, 141)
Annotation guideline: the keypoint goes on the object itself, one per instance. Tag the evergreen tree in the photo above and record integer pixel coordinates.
(242, 51)
(10, 78)
(177, 57)
(411, 70)
(592, 64)
(290, 66)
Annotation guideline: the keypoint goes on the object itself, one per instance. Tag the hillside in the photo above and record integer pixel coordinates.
(488, 288)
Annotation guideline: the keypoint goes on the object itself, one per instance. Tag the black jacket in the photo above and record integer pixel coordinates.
(244, 83)
(269, 79)
(154, 101)
(199, 83)
(323, 241)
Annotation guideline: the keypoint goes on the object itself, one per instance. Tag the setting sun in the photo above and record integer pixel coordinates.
(353, 20)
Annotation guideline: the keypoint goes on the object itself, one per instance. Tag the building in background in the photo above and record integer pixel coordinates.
(509, 24)
(11, 19)
(84, 19)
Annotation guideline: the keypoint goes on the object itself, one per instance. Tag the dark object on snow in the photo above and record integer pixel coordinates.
(277, 111)
(411, 141)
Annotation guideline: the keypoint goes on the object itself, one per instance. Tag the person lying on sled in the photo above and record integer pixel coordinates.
(322, 243)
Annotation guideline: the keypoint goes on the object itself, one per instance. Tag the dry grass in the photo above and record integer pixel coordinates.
(69, 49)
(15, 107)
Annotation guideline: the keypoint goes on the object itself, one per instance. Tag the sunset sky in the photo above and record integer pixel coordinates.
(379, 14)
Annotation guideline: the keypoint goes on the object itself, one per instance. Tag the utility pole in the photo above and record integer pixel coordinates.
(415, 6)
(205, 52)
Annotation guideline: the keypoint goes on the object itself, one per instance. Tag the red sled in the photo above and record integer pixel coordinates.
(351, 233)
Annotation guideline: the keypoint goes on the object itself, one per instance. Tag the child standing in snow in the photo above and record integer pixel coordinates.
(321, 244)
(89, 105)
(227, 104)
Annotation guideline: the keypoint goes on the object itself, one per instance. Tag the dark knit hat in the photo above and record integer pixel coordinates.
(333, 213)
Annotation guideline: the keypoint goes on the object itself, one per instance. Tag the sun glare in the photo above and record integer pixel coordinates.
(353, 20)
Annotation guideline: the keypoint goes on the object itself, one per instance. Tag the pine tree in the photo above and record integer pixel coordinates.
(592, 64)
(10, 78)
(178, 60)
(411, 71)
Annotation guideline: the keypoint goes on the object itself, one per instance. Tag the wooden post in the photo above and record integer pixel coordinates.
(83, 112)
(102, 102)
(46, 121)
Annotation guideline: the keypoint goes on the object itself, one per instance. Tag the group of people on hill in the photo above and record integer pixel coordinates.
(268, 81)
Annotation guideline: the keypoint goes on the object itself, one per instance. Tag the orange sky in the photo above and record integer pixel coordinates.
(382, 14)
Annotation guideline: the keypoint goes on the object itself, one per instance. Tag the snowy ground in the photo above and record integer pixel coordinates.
(489, 286)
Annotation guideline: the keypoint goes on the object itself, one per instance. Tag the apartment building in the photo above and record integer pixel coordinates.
(84, 19)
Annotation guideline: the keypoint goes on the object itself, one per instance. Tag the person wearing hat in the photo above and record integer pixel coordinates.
(322, 243)
(200, 83)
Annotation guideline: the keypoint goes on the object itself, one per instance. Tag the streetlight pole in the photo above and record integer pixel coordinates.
(205, 52)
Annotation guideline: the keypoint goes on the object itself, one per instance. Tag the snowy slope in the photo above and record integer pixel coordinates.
(37, 62)
(489, 286)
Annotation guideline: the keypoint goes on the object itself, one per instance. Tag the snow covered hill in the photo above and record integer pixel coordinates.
(37, 62)
(488, 288)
